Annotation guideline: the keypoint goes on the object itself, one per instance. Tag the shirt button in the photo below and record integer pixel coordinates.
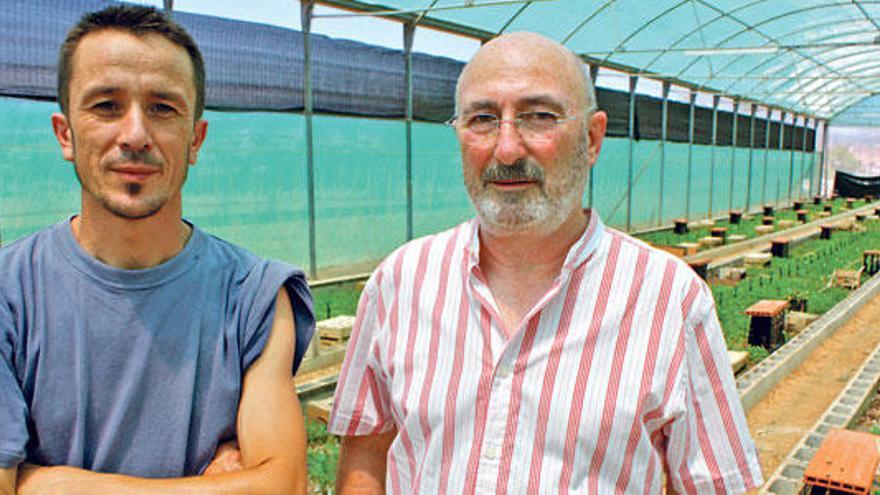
(491, 453)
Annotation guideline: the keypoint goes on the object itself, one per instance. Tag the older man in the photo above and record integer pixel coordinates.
(132, 342)
(534, 350)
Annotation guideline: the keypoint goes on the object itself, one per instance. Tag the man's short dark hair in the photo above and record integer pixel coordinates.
(137, 20)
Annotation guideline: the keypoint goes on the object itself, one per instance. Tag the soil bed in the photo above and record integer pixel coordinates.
(794, 405)
(746, 227)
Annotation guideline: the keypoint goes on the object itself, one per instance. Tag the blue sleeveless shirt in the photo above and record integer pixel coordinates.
(132, 371)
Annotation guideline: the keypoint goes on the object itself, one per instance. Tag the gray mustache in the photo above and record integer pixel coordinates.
(142, 157)
(520, 170)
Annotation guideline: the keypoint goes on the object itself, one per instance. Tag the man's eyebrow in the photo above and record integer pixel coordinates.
(173, 96)
(100, 91)
(480, 106)
(542, 100)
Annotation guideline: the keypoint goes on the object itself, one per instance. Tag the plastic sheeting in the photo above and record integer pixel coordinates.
(259, 67)
(854, 186)
(249, 66)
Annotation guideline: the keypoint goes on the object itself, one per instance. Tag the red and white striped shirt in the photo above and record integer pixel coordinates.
(620, 368)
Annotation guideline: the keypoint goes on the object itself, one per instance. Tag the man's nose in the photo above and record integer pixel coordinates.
(134, 134)
(509, 145)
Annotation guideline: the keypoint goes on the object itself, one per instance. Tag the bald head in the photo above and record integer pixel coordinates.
(525, 52)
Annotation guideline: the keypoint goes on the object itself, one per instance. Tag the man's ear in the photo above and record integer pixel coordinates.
(200, 132)
(64, 135)
(598, 123)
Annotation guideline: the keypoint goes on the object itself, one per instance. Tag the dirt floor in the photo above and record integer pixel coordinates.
(792, 408)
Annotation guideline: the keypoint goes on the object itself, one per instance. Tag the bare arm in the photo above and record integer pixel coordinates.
(362, 463)
(7, 481)
(271, 436)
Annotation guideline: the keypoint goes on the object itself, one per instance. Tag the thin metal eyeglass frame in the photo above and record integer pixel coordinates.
(516, 121)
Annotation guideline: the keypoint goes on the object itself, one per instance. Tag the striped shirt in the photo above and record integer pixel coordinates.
(617, 375)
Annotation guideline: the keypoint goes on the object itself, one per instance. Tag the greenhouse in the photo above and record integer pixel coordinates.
(741, 138)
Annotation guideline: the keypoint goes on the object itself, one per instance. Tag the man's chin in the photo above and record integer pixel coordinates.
(133, 212)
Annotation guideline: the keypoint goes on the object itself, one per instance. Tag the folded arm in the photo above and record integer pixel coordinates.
(7, 481)
(270, 432)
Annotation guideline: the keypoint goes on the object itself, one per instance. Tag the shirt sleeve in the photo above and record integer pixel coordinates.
(260, 289)
(13, 409)
(361, 403)
(709, 447)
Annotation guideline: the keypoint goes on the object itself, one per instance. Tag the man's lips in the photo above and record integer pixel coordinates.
(512, 183)
(135, 173)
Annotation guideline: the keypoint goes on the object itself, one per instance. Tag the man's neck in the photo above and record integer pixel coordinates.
(526, 251)
(520, 268)
(131, 244)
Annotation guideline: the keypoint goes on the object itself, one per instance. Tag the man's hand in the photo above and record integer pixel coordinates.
(271, 436)
(226, 460)
(362, 463)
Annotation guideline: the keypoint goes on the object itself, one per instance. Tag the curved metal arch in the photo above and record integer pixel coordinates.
(514, 17)
(697, 29)
(644, 26)
(809, 70)
(422, 15)
(722, 14)
(587, 20)
(847, 107)
(845, 68)
(754, 28)
(769, 60)
(806, 72)
(774, 58)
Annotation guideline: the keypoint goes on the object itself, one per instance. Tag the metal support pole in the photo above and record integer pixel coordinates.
(794, 119)
(754, 108)
(813, 157)
(691, 113)
(664, 125)
(766, 155)
(594, 73)
(168, 8)
(782, 115)
(715, 100)
(803, 158)
(409, 30)
(633, 80)
(733, 154)
(306, 7)
(823, 158)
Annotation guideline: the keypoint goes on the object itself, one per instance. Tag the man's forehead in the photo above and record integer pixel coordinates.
(525, 64)
(102, 57)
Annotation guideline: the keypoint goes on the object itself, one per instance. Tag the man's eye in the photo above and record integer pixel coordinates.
(162, 109)
(106, 107)
(543, 118)
(482, 121)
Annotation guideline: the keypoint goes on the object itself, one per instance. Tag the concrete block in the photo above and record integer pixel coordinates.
(757, 259)
(784, 224)
(738, 360)
(797, 321)
(763, 229)
(335, 331)
(709, 242)
(689, 248)
(736, 238)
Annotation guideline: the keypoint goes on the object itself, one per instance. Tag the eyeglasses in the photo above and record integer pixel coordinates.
(532, 126)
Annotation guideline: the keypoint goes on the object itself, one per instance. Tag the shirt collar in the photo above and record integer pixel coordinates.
(578, 253)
